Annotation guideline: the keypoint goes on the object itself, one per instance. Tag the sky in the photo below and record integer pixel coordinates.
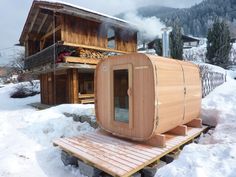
(13, 14)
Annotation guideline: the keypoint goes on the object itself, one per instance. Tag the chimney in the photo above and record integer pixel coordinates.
(165, 41)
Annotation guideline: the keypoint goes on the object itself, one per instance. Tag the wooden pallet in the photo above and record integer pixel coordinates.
(119, 157)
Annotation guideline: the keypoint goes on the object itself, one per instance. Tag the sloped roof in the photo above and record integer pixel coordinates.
(70, 9)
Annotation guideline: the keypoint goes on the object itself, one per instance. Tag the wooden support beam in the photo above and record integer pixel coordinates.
(62, 27)
(42, 23)
(33, 36)
(179, 130)
(196, 123)
(50, 91)
(86, 101)
(34, 19)
(51, 32)
(94, 48)
(49, 27)
(73, 85)
(158, 140)
(44, 38)
(42, 43)
(85, 96)
(92, 61)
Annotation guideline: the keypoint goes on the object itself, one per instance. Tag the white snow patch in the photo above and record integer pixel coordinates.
(26, 136)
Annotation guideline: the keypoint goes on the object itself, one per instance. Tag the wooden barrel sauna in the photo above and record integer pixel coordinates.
(138, 95)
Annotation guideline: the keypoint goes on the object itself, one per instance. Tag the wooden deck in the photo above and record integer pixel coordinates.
(119, 157)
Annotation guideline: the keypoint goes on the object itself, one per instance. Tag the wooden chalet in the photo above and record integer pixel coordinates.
(63, 44)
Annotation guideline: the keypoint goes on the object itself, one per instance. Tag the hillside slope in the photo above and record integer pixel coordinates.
(197, 19)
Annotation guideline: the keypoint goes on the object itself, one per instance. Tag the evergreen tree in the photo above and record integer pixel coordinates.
(218, 44)
(176, 42)
(158, 46)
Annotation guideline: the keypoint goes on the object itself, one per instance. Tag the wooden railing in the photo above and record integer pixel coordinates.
(46, 56)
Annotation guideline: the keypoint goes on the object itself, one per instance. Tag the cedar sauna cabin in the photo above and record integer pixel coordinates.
(63, 44)
(139, 96)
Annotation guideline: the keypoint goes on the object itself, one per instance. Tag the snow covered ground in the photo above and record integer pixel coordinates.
(26, 136)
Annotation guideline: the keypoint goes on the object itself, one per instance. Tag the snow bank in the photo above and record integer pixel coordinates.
(231, 74)
(198, 160)
(215, 155)
(16, 103)
(49, 124)
(26, 136)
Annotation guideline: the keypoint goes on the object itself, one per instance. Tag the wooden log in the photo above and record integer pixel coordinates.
(94, 47)
(87, 101)
(92, 61)
(197, 123)
(179, 130)
(158, 140)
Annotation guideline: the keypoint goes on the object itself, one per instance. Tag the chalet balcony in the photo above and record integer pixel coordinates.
(65, 54)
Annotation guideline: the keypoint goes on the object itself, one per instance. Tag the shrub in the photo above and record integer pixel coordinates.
(25, 90)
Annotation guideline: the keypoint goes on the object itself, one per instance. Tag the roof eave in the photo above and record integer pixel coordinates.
(77, 12)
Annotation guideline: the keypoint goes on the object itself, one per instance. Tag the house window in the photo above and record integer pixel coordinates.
(111, 38)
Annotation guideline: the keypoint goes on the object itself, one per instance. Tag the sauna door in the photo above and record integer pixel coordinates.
(121, 98)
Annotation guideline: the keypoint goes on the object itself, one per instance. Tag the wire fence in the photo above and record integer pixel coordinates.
(210, 79)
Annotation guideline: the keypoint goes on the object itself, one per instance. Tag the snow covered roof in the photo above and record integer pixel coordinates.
(70, 9)
(83, 9)
(187, 38)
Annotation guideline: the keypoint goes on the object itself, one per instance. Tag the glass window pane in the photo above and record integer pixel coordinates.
(121, 98)
(111, 38)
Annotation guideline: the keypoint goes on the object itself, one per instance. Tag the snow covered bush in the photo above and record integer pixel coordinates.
(25, 89)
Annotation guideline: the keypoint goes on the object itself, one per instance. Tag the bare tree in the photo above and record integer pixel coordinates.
(17, 67)
(17, 64)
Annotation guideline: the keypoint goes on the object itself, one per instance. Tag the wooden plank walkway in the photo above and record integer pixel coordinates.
(119, 157)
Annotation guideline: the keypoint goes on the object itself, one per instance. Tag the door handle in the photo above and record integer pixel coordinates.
(129, 91)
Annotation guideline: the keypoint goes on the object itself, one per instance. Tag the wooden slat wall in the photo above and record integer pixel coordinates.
(61, 91)
(67, 87)
(51, 91)
(126, 40)
(43, 81)
(47, 88)
(81, 31)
